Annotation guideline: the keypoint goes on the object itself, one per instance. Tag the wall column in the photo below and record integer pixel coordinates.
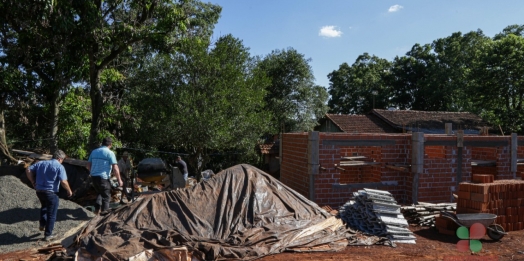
(313, 161)
(417, 162)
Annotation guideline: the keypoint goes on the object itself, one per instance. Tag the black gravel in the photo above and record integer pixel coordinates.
(19, 214)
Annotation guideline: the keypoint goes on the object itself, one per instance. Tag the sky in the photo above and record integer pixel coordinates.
(332, 32)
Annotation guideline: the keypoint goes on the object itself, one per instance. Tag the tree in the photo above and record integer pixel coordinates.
(201, 100)
(456, 55)
(39, 37)
(292, 97)
(111, 28)
(498, 81)
(360, 87)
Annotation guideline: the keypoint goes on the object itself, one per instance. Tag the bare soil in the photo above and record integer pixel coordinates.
(430, 246)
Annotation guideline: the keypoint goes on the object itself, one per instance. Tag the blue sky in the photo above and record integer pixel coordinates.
(332, 32)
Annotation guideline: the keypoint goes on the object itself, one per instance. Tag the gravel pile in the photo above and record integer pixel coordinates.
(19, 215)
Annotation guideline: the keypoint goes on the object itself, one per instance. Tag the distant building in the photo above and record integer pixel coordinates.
(402, 121)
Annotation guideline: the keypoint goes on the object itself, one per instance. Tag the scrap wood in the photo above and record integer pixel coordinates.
(423, 214)
(51, 247)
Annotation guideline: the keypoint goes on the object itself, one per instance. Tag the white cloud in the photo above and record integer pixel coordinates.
(395, 8)
(329, 31)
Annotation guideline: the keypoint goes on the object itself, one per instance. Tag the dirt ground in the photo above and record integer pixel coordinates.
(430, 246)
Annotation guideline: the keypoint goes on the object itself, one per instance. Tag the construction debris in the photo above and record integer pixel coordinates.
(423, 214)
(376, 212)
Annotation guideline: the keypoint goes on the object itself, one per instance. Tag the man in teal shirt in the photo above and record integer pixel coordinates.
(100, 164)
(46, 176)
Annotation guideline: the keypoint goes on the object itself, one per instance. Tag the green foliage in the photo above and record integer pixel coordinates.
(74, 123)
(353, 88)
(462, 72)
(294, 101)
(200, 100)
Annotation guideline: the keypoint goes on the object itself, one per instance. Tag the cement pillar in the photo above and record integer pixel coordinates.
(448, 128)
(313, 161)
(417, 161)
(514, 145)
(460, 146)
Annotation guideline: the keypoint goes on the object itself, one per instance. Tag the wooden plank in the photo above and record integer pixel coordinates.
(353, 158)
(357, 163)
(404, 169)
(483, 163)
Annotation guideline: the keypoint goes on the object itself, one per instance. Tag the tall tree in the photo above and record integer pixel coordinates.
(201, 100)
(111, 28)
(39, 37)
(498, 80)
(360, 87)
(295, 101)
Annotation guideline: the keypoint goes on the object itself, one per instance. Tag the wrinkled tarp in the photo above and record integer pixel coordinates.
(240, 213)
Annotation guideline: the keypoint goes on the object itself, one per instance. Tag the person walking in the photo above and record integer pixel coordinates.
(100, 164)
(46, 177)
(182, 166)
(125, 165)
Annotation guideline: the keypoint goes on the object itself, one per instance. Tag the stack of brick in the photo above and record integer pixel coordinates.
(504, 198)
(445, 225)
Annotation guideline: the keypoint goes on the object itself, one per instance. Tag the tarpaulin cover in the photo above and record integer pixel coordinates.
(241, 213)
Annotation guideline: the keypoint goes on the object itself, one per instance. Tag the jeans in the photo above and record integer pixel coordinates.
(185, 177)
(103, 188)
(49, 201)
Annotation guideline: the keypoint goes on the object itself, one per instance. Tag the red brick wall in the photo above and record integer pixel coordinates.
(293, 169)
(437, 182)
(438, 152)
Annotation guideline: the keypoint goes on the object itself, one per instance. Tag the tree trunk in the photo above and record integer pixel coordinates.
(4, 151)
(96, 106)
(55, 109)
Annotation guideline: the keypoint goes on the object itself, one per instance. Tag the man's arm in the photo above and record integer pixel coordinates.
(116, 171)
(65, 185)
(30, 176)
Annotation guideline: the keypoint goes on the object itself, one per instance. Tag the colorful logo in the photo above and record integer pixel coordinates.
(470, 238)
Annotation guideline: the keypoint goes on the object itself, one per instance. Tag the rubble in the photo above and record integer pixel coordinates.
(376, 212)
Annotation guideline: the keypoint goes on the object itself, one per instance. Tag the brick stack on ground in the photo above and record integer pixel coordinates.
(504, 198)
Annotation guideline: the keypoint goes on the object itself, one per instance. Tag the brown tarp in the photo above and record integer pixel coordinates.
(241, 213)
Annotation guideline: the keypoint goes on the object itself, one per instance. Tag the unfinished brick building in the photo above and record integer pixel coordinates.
(328, 167)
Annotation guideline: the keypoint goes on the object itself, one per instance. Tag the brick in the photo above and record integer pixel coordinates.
(463, 195)
(479, 197)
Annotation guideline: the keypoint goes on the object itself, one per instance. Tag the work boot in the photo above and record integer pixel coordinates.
(49, 238)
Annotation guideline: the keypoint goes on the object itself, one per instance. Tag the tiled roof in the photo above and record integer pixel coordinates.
(271, 148)
(429, 120)
(360, 123)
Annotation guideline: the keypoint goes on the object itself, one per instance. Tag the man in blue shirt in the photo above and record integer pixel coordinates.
(100, 163)
(46, 176)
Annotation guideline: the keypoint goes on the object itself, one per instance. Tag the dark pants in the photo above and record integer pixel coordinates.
(125, 181)
(49, 201)
(103, 188)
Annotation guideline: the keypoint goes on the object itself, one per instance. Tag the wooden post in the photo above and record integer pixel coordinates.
(417, 161)
(313, 161)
